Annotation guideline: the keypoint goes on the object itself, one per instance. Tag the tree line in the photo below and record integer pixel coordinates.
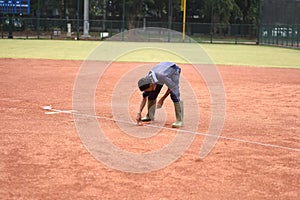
(201, 11)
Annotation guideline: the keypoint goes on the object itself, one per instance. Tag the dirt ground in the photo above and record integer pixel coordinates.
(42, 156)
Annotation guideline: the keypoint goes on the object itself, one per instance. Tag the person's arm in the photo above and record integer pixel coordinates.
(162, 99)
(142, 105)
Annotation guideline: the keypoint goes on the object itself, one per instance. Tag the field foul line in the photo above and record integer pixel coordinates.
(73, 112)
(55, 111)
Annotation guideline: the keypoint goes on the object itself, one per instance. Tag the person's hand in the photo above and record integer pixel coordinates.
(138, 118)
(159, 103)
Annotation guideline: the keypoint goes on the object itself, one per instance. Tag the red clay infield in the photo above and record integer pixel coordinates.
(42, 156)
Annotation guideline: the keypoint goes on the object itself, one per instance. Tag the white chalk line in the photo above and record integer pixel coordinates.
(55, 111)
(74, 112)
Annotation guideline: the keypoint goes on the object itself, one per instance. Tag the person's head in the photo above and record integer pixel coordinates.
(145, 84)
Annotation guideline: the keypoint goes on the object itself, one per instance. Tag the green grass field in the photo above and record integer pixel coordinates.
(223, 54)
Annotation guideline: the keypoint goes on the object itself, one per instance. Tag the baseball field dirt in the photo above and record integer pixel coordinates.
(42, 156)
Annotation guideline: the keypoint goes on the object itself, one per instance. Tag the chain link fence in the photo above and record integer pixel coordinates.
(279, 23)
(48, 28)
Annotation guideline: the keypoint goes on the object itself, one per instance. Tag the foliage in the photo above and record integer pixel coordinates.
(224, 11)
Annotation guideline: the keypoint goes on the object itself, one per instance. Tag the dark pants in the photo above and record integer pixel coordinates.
(153, 95)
